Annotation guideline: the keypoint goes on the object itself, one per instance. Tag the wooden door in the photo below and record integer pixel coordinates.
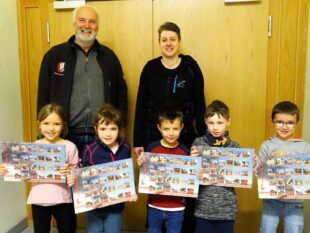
(32, 19)
(32, 46)
(241, 65)
(125, 27)
(229, 41)
(287, 49)
(287, 55)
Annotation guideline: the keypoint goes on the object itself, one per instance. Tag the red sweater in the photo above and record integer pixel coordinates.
(163, 201)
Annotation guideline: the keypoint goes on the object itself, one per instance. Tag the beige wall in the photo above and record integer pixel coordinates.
(12, 197)
(306, 121)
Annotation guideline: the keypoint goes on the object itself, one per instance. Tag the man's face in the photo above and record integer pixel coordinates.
(86, 25)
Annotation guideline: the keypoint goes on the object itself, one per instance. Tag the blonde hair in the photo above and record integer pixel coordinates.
(48, 110)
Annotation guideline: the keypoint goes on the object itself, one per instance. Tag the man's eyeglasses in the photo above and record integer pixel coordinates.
(289, 124)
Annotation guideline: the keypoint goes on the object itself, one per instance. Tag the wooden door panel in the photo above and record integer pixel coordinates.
(240, 65)
(129, 35)
(229, 41)
(32, 45)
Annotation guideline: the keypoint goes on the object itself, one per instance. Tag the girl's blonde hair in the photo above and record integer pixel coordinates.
(48, 110)
(108, 114)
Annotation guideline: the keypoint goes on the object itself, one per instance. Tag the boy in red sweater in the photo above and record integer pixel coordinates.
(166, 209)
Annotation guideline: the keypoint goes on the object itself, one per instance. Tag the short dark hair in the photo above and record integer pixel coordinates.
(169, 26)
(217, 107)
(170, 115)
(53, 108)
(286, 107)
(108, 114)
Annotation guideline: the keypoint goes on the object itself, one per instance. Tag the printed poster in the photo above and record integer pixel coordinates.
(103, 185)
(173, 175)
(230, 167)
(286, 177)
(34, 162)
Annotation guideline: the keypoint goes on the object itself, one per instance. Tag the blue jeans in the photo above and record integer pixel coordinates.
(212, 226)
(292, 213)
(101, 222)
(172, 219)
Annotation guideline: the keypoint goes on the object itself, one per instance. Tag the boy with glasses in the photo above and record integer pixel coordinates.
(285, 117)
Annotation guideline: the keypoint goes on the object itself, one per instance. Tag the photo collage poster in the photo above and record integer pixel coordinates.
(230, 167)
(34, 162)
(286, 177)
(173, 175)
(103, 185)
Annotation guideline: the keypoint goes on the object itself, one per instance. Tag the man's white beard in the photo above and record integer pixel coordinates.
(85, 39)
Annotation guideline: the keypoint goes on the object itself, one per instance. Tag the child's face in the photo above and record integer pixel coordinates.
(285, 125)
(170, 131)
(51, 127)
(217, 125)
(108, 134)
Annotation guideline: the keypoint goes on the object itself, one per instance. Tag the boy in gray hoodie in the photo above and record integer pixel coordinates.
(285, 117)
(216, 206)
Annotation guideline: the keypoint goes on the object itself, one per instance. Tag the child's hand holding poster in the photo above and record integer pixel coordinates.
(284, 177)
(33, 162)
(172, 175)
(103, 185)
(232, 167)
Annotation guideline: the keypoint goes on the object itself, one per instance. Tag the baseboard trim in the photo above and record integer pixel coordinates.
(19, 227)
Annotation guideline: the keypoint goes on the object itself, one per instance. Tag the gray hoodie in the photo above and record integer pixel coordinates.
(215, 202)
(275, 146)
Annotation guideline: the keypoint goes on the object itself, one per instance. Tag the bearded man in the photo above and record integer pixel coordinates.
(81, 75)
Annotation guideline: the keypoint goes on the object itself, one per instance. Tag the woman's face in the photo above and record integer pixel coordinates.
(169, 44)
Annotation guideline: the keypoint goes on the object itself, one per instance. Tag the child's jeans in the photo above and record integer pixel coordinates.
(102, 222)
(292, 213)
(211, 226)
(172, 219)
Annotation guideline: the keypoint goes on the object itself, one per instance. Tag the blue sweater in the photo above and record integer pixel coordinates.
(97, 153)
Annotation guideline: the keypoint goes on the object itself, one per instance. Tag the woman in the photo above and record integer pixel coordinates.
(172, 81)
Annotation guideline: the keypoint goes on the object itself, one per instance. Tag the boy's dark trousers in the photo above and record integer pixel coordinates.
(189, 222)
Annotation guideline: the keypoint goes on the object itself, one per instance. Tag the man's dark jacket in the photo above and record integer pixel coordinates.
(56, 77)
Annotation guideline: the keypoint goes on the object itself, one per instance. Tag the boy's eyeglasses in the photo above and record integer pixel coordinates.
(289, 124)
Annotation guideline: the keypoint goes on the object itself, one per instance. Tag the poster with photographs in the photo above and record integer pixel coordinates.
(34, 162)
(231, 167)
(173, 175)
(286, 177)
(103, 185)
